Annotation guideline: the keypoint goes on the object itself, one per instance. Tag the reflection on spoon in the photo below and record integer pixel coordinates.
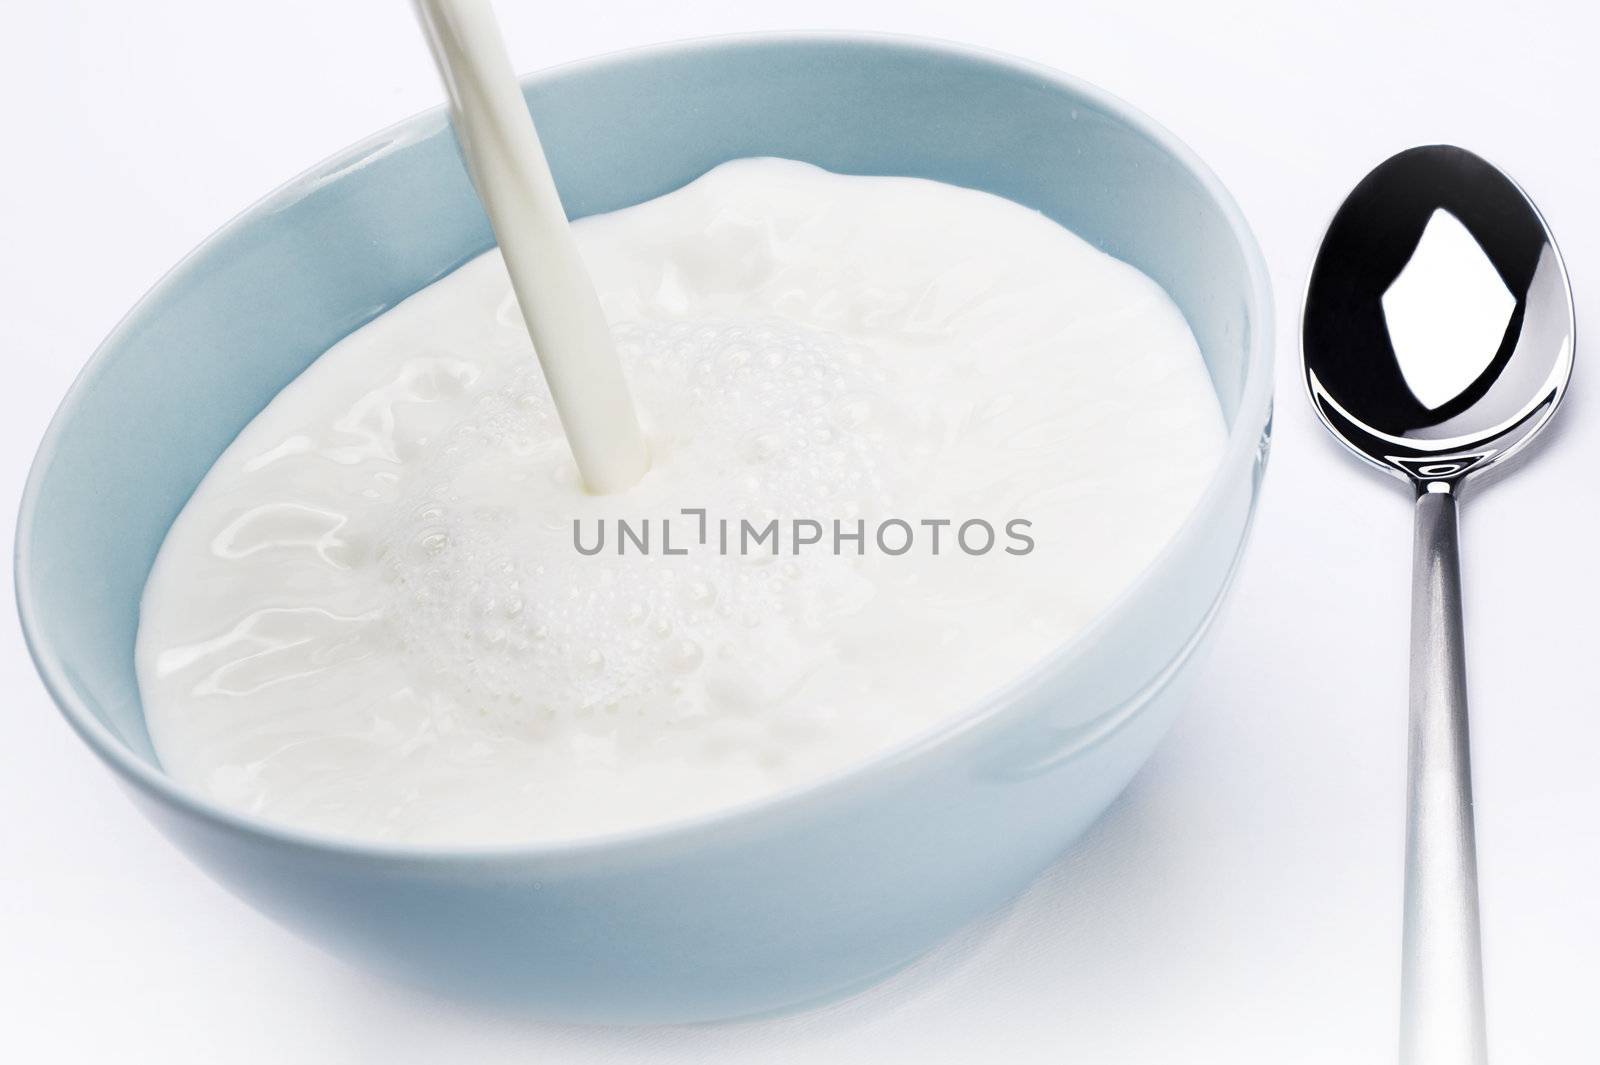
(1447, 312)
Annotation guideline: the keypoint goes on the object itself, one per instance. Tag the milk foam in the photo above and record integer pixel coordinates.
(371, 618)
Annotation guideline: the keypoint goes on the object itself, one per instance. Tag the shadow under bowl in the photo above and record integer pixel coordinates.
(794, 899)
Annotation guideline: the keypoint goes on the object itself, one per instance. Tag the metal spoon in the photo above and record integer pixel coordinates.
(1438, 339)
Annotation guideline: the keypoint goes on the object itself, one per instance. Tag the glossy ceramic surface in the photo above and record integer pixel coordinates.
(799, 898)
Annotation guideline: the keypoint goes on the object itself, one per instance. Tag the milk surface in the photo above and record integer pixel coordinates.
(376, 617)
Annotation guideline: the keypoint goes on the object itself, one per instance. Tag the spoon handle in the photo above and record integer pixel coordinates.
(1441, 1011)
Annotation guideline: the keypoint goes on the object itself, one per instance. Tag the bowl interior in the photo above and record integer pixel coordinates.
(248, 311)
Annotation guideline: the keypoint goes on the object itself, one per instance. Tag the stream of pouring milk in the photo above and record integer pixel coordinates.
(554, 291)
(371, 619)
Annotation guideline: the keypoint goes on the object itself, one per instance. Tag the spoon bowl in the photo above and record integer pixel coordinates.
(1439, 327)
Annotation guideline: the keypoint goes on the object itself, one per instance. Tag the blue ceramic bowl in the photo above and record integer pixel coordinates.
(794, 899)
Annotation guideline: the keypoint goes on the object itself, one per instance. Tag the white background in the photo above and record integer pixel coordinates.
(1239, 904)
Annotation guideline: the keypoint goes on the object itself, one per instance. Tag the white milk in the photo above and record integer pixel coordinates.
(554, 291)
(372, 618)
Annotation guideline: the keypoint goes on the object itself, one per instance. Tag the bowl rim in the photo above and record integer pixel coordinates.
(1245, 442)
